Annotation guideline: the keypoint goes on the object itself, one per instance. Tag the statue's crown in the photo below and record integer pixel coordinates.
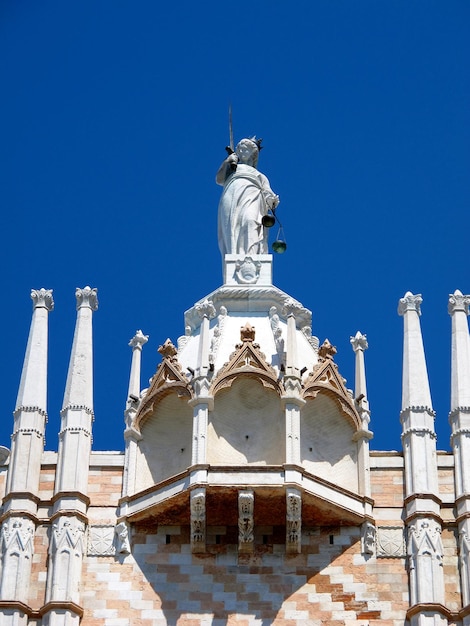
(257, 142)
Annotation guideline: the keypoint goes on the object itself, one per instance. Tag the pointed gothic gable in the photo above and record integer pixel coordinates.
(168, 378)
(247, 360)
(325, 378)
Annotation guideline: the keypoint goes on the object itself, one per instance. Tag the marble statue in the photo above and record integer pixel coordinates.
(246, 197)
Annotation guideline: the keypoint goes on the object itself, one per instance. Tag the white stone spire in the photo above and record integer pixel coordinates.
(30, 412)
(206, 312)
(415, 391)
(459, 419)
(417, 415)
(359, 345)
(79, 387)
(460, 383)
(422, 503)
(131, 435)
(77, 412)
(22, 492)
(33, 385)
(68, 533)
(136, 343)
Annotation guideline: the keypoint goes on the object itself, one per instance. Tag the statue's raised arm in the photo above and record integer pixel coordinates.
(246, 198)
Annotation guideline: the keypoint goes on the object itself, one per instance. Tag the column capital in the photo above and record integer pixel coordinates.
(359, 342)
(42, 299)
(410, 302)
(138, 340)
(292, 307)
(458, 302)
(87, 297)
(205, 309)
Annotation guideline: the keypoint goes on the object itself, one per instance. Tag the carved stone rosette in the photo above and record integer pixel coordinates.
(390, 542)
(198, 520)
(293, 521)
(246, 537)
(17, 538)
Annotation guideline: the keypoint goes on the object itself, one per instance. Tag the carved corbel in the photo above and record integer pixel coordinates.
(198, 520)
(246, 526)
(293, 521)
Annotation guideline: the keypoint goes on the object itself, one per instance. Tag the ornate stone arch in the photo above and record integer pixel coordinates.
(168, 378)
(247, 360)
(326, 379)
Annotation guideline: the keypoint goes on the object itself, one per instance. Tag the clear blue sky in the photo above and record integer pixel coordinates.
(113, 124)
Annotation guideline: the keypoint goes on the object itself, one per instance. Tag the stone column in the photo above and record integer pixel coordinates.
(22, 489)
(459, 418)
(70, 501)
(202, 402)
(359, 345)
(422, 503)
(131, 435)
(292, 399)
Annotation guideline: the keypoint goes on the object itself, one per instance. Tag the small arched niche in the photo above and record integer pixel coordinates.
(246, 426)
(165, 447)
(327, 448)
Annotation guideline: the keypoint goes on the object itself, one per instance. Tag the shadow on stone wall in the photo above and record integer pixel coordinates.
(223, 588)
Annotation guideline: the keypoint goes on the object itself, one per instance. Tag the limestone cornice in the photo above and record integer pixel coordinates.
(255, 299)
(410, 302)
(68, 495)
(464, 497)
(27, 431)
(147, 503)
(75, 430)
(459, 432)
(77, 407)
(417, 409)
(42, 299)
(30, 409)
(23, 495)
(12, 513)
(464, 516)
(58, 605)
(414, 430)
(457, 410)
(458, 302)
(19, 607)
(418, 514)
(431, 607)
